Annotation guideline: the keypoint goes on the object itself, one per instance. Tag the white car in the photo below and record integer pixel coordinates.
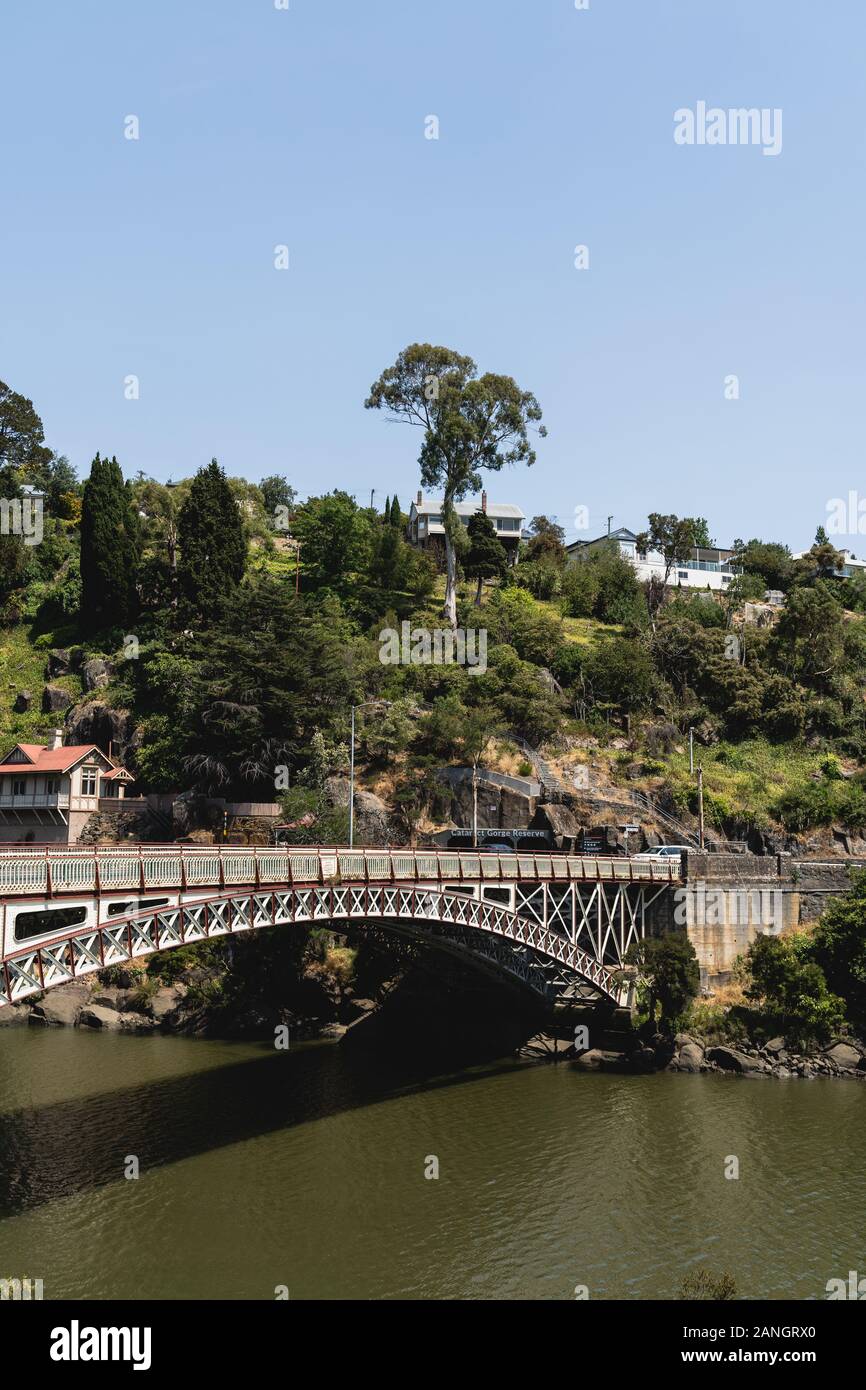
(663, 852)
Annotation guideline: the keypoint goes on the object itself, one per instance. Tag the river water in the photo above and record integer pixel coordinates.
(306, 1169)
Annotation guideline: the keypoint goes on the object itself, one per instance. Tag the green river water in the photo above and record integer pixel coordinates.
(306, 1170)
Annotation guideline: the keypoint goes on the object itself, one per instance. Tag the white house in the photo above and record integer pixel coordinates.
(48, 792)
(849, 568)
(428, 533)
(706, 568)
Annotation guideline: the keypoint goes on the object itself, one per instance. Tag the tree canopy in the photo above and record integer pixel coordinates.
(470, 423)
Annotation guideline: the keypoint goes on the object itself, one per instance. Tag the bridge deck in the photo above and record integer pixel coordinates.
(46, 872)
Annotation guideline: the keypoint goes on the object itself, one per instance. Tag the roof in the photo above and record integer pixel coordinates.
(433, 507)
(44, 759)
(622, 533)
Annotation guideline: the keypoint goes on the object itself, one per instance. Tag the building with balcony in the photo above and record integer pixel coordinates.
(706, 568)
(49, 792)
(428, 533)
(850, 567)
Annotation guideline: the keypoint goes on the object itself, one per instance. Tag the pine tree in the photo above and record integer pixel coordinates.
(486, 557)
(396, 517)
(110, 547)
(211, 541)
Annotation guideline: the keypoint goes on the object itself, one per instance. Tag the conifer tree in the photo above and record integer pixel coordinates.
(110, 547)
(211, 542)
(396, 515)
(486, 557)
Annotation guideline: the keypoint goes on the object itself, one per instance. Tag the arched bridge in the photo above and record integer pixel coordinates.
(558, 925)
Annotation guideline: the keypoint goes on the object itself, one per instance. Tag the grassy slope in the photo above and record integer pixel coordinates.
(22, 667)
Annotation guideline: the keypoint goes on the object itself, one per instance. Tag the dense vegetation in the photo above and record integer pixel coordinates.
(232, 673)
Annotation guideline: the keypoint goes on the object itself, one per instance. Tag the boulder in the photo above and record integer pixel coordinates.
(593, 1060)
(59, 663)
(14, 1013)
(559, 820)
(23, 702)
(97, 1016)
(845, 1057)
(164, 1004)
(136, 1023)
(689, 1058)
(775, 1046)
(55, 699)
(96, 673)
(96, 722)
(61, 1007)
(730, 1059)
(114, 997)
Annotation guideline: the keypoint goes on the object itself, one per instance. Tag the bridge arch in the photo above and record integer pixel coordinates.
(547, 963)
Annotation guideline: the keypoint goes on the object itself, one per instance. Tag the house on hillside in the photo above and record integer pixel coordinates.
(708, 567)
(426, 531)
(850, 566)
(48, 792)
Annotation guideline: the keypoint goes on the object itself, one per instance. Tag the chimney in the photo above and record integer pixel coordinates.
(484, 501)
(420, 498)
(56, 739)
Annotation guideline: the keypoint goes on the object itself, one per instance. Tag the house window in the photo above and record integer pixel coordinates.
(52, 786)
(19, 786)
(682, 574)
(88, 781)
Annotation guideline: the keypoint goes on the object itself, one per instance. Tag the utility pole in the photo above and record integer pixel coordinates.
(701, 807)
(691, 752)
(352, 783)
(609, 520)
(475, 803)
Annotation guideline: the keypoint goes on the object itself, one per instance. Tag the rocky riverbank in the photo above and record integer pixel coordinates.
(129, 1001)
(687, 1052)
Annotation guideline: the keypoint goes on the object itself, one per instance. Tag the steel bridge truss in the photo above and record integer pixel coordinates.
(558, 939)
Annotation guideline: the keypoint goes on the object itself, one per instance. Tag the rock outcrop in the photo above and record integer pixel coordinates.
(55, 699)
(96, 722)
(96, 673)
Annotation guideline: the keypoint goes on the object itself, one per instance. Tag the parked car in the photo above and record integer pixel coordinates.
(663, 852)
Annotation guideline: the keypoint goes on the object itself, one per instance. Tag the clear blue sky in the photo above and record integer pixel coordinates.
(306, 127)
